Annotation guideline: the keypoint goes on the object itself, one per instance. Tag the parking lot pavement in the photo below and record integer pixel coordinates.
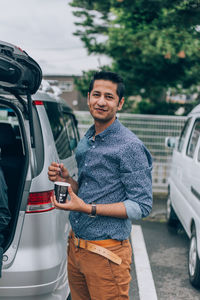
(157, 215)
(158, 212)
(167, 251)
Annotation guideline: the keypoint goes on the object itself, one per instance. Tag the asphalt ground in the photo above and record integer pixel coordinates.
(157, 215)
(167, 250)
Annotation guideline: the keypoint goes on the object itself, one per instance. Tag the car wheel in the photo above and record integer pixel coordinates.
(69, 297)
(172, 219)
(193, 261)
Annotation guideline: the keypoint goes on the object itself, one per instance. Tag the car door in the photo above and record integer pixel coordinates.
(177, 171)
(193, 174)
(185, 204)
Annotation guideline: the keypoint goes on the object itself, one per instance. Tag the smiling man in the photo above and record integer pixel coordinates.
(114, 187)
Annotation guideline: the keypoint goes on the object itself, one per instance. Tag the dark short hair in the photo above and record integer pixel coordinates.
(111, 76)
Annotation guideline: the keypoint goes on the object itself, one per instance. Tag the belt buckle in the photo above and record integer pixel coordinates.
(76, 242)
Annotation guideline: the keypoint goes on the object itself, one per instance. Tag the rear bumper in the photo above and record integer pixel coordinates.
(39, 267)
(58, 289)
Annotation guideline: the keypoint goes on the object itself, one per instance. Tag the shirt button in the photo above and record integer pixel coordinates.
(76, 221)
(86, 165)
(93, 147)
(86, 183)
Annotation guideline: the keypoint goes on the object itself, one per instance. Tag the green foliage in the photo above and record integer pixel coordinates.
(82, 83)
(154, 44)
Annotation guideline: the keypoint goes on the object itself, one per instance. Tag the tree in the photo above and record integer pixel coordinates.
(153, 44)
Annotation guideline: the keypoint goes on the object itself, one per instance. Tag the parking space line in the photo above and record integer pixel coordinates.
(145, 280)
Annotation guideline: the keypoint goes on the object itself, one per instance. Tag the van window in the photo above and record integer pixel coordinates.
(193, 139)
(183, 135)
(198, 157)
(69, 122)
(59, 129)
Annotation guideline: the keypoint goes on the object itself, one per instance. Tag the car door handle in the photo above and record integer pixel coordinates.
(194, 192)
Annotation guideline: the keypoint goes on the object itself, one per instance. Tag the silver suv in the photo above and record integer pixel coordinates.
(35, 242)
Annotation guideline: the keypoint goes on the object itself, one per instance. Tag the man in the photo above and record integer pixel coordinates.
(114, 187)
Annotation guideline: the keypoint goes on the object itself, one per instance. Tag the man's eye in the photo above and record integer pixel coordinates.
(109, 97)
(96, 95)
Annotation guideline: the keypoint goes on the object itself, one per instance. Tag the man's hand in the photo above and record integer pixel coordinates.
(57, 172)
(116, 210)
(75, 203)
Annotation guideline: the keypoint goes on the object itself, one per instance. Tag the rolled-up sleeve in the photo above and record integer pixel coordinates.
(136, 176)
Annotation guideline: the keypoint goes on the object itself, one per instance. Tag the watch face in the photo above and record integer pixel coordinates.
(93, 212)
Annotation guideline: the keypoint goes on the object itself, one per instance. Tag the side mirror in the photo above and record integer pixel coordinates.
(170, 142)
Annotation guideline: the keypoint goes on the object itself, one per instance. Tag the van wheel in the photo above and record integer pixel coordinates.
(172, 219)
(193, 261)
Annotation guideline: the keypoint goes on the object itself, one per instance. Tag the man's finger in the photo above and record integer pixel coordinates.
(55, 203)
(70, 191)
(52, 178)
(52, 201)
(54, 164)
(53, 169)
(52, 172)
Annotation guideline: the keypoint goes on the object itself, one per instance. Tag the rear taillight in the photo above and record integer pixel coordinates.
(38, 102)
(39, 202)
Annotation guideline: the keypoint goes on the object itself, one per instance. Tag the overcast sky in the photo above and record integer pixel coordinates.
(43, 28)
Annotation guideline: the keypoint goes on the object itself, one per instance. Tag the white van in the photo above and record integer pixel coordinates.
(184, 189)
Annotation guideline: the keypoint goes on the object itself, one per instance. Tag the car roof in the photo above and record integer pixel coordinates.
(195, 110)
(45, 96)
(40, 96)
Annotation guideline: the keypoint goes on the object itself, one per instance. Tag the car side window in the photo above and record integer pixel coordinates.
(193, 139)
(59, 129)
(183, 135)
(198, 157)
(70, 125)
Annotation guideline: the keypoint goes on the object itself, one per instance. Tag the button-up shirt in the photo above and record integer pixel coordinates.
(113, 167)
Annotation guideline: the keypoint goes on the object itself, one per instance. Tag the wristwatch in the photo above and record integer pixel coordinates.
(93, 211)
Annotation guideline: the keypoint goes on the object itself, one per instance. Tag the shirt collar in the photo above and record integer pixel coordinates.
(114, 127)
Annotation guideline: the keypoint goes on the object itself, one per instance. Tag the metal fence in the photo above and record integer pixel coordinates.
(152, 130)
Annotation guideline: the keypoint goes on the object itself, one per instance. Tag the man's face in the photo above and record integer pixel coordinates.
(103, 101)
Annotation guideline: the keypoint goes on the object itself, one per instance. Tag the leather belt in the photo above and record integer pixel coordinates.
(96, 247)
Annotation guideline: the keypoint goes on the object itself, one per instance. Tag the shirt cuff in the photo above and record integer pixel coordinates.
(133, 210)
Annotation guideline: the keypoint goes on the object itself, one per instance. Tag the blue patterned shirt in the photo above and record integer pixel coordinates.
(115, 167)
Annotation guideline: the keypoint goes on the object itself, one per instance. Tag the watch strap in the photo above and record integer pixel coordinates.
(93, 211)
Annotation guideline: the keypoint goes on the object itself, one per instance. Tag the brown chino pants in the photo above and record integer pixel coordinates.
(94, 277)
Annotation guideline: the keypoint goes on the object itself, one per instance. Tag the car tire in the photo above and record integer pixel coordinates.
(69, 297)
(171, 216)
(193, 261)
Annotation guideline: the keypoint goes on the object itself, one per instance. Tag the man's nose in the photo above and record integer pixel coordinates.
(101, 100)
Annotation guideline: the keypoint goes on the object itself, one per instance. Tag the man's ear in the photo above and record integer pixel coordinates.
(121, 103)
(88, 99)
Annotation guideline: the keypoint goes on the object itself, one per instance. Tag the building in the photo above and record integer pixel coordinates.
(63, 86)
